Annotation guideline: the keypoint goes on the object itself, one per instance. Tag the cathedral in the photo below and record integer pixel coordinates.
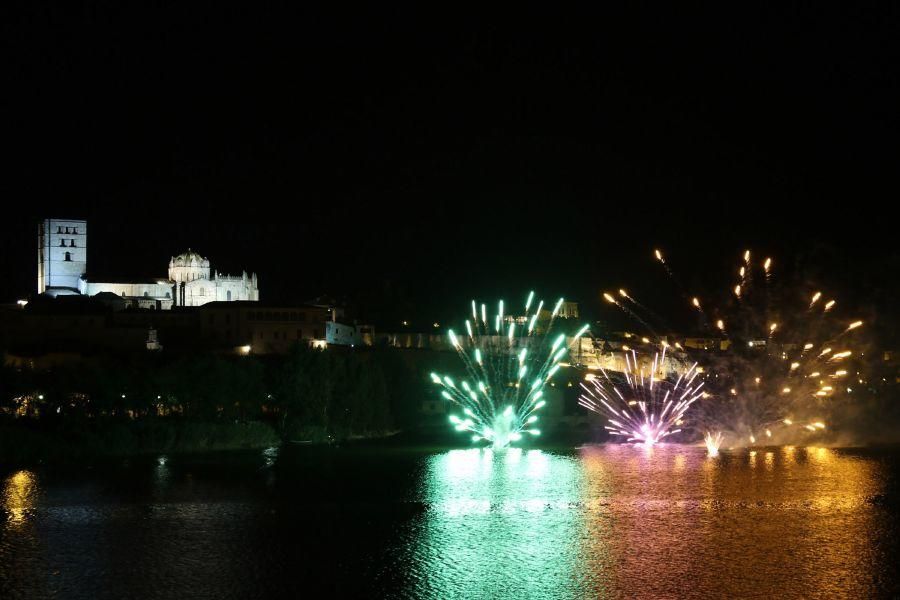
(62, 270)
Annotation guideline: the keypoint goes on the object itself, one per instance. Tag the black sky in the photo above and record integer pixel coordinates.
(415, 159)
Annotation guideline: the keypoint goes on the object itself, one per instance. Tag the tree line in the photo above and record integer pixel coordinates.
(307, 394)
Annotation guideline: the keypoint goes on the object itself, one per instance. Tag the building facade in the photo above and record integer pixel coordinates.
(196, 286)
(62, 255)
(253, 328)
(62, 270)
(81, 325)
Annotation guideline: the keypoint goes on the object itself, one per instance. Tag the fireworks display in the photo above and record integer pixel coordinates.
(713, 441)
(509, 359)
(777, 356)
(643, 405)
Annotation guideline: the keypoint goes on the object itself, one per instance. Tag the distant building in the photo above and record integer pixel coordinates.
(338, 330)
(706, 343)
(152, 342)
(252, 328)
(195, 286)
(62, 255)
(342, 334)
(80, 325)
(62, 271)
(568, 310)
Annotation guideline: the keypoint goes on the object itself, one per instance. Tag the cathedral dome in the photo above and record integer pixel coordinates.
(189, 259)
(188, 266)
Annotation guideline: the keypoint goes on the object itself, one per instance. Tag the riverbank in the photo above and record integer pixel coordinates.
(24, 442)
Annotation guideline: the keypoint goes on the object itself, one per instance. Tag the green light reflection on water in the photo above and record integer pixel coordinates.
(499, 524)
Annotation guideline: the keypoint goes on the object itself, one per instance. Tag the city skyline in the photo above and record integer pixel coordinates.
(622, 264)
(319, 151)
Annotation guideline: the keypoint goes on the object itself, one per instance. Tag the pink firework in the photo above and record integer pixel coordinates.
(642, 403)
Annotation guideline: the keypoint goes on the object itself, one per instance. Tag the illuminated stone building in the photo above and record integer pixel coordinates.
(62, 270)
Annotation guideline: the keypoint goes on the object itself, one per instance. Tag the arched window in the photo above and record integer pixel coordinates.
(146, 294)
(228, 295)
(168, 294)
(68, 257)
(62, 243)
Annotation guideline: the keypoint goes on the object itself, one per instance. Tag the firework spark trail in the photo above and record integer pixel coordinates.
(659, 256)
(656, 318)
(677, 281)
(508, 360)
(612, 300)
(645, 407)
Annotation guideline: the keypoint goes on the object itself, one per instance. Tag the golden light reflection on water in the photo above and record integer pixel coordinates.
(769, 522)
(18, 495)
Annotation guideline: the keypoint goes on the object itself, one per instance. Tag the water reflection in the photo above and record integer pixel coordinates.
(767, 522)
(270, 455)
(18, 496)
(599, 521)
(498, 524)
(629, 521)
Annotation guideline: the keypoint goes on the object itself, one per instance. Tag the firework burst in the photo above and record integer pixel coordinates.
(509, 359)
(643, 405)
(713, 441)
(779, 353)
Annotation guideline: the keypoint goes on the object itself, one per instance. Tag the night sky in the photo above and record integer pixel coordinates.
(411, 160)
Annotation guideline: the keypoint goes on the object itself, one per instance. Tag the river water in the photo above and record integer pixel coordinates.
(598, 521)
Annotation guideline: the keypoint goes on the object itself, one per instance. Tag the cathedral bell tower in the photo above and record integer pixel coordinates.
(62, 255)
